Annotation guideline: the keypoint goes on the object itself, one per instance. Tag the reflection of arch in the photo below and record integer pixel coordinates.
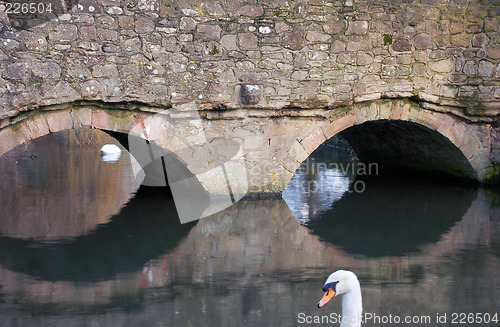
(275, 248)
(259, 240)
(145, 228)
(394, 218)
(466, 137)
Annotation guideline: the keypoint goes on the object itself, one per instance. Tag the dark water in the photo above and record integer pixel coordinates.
(81, 246)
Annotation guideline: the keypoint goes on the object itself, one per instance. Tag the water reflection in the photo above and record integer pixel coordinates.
(397, 216)
(321, 180)
(254, 264)
(61, 173)
(144, 229)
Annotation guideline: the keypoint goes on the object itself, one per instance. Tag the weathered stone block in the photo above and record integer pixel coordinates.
(17, 71)
(126, 22)
(132, 45)
(187, 24)
(470, 68)
(250, 93)
(297, 152)
(313, 140)
(11, 87)
(64, 33)
(292, 40)
(334, 28)
(144, 25)
(363, 58)
(401, 45)
(105, 71)
(154, 69)
(211, 32)
(247, 41)
(357, 27)
(184, 38)
(486, 68)
(337, 46)
(107, 34)
(356, 43)
(212, 8)
(59, 120)
(456, 27)
(494, 52)
(229, 42)
(254, 142)
(245, 65)
(115, 11)
(90, 88)
(251, 11)
(346, 58)
(110, 47)
(46, 70)
(422, 41)
(88, 33)
(442, 66)
(480, 40)
(281, 27)
(491, 24)
(314, 36)
(338, 125)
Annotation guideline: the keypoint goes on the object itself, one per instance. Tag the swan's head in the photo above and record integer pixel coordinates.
(340, 282)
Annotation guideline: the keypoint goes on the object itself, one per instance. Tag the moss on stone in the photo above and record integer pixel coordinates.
(387, 39)
(214, 50)
(492, 175)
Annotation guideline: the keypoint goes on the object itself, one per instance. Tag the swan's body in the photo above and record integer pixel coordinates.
(345, 283)
(110, 152)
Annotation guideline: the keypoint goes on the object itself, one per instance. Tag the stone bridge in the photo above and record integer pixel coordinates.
(410, 84)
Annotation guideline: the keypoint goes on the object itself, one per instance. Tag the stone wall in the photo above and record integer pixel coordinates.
(257, 54)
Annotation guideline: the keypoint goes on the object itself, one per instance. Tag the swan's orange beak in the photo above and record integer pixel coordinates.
(328, 295)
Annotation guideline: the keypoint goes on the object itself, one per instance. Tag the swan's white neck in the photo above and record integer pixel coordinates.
(352, 308)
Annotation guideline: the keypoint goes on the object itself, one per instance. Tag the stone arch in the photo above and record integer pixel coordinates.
(213, 174)
(115, 122)
(471, 139)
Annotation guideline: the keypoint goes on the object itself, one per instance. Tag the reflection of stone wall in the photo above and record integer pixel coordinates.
(67, 195)
(269, 54)
(258, 246)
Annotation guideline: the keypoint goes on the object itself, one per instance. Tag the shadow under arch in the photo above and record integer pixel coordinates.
(144, 229)
(406, 147)
(392, 217)
(165, 170)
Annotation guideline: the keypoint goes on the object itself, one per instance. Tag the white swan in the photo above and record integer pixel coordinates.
(110, 152)
(345, 283)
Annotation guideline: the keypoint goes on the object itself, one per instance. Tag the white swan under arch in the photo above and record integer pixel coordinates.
(110, 152)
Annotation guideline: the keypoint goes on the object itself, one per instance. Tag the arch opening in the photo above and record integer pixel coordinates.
(383, 215)
(82, 220)
(407, 148)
